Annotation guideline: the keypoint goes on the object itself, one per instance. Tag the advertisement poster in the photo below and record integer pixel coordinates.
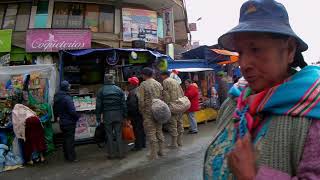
(168, 26)
(5, 40)
(53, 40)
(139, 24)
(82, 129)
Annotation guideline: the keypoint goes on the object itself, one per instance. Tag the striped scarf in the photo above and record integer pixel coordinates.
(298, 96)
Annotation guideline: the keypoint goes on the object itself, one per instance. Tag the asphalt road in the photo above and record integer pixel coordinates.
(185, 163)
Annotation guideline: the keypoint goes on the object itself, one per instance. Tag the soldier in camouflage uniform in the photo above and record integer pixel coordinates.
(151, 89)
(172, 91)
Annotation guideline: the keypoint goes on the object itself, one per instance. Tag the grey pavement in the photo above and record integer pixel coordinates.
(185, 163)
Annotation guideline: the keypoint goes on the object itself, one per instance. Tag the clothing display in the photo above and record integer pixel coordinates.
(35, 139)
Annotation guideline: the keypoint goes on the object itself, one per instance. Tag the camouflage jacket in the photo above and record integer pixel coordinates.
(147, 91)
(171, 90)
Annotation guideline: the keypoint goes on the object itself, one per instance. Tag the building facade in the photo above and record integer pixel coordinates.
(112, 23)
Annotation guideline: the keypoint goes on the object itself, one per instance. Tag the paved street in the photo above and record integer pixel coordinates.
(185, 163)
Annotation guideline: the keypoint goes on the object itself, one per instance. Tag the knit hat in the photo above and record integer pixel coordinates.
(64, 86)
(134, 81)
(108, 78)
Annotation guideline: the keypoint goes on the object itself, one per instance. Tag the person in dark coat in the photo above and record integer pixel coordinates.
(134, 114)
(112, 104)
(65, 111)
(192, 93)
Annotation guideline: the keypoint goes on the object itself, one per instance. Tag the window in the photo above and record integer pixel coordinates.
(106, 20)
(60, 15)
(92, 17)
(10, 17)
(23, 17)
(2, 10)
(76, 16)
(41, 17)
(98, 18)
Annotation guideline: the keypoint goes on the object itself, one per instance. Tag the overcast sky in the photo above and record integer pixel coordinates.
(219, 16)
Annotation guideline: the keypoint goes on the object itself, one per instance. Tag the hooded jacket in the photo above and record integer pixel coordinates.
(63, 106)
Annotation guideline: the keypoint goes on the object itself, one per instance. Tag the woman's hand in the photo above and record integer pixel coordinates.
(242, 159)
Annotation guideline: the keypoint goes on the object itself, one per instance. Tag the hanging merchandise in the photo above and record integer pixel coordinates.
(112, 60)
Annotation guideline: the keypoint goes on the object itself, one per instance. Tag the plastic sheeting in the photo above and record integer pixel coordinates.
(91, 51)
(49, 71)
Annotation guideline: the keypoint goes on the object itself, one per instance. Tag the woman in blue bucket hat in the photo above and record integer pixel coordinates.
(270, 126)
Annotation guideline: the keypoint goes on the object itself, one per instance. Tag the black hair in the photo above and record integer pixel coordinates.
(147, 72)
(165, 73)
(189, 81)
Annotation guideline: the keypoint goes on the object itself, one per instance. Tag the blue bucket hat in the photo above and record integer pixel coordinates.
(265, 16)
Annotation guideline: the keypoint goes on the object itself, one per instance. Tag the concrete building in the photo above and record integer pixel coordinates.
(112, 23)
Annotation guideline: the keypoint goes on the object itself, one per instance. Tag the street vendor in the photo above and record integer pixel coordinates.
(270, 130)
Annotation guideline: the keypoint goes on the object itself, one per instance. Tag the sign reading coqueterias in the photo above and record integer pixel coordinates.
(53, 40)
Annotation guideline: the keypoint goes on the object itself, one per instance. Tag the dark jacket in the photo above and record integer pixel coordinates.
(132, 103)
(193, 95)
(63, 108)
(110, 98)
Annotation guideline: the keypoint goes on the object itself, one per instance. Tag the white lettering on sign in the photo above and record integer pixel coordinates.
(47, 45)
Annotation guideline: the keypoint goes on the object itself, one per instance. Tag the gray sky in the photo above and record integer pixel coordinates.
(219, 16)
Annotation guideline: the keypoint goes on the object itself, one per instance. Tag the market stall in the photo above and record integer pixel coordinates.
(203, 75)
(34, 87)
(85, 69)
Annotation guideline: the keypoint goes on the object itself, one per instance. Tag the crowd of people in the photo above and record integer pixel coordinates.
(113, 107)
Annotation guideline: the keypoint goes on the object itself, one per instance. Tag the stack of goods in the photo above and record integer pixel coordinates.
(84, 103)
(31, 91)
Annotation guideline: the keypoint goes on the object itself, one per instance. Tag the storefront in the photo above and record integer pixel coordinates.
(5, 46)
(85, 70)
(203, 74)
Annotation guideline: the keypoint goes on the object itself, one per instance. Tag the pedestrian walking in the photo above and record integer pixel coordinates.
(172, 91)
(112, 106)
(222, 87)
(151, 89)
(65, 111)
(269, 130)
(192, 93)
(134, 114)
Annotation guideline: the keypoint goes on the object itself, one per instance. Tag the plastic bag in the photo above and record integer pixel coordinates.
(127, 131)
(100, 134)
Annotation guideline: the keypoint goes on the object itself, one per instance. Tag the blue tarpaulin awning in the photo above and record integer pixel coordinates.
(191, 63)
(91, 51)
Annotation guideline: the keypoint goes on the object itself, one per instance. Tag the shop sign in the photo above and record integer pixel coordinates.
(53, 40)
(5, 60)
(168, 25)
(193, 26)
(139, 24)
(5, 40)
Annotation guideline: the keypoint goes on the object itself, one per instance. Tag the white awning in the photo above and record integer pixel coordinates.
(192, 69)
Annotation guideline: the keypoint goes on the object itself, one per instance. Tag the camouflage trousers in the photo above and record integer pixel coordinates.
(152, 129)
(175, 125)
